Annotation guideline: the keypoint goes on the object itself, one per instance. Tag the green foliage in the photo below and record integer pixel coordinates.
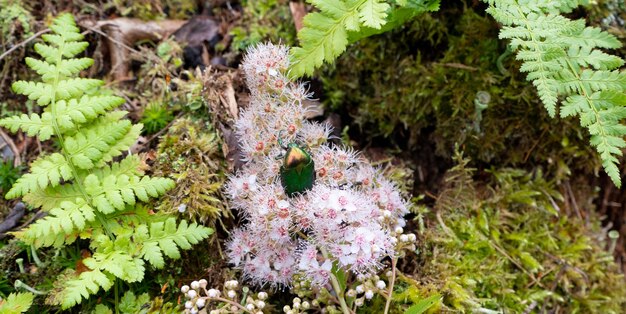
(155, 117)
(564, 60)
(8, 175)
(85, 192)
(13, 15)
(16, 303)
(190, 154)
(513, 247)
(267, 20)
(326, 34)
(418, 86)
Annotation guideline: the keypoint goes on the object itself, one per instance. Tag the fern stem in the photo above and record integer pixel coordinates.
(337, 287)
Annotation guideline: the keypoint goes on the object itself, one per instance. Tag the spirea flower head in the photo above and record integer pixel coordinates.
(348, 218)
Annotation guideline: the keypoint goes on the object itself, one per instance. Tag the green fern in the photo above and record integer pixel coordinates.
(563, 60)
(16, 303)
(327, 33)
(81, 188)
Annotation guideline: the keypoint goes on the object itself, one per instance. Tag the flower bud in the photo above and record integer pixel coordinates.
(262, 295)
(358, 302)
(192, 294)
(404, 238)
(359, 289)
(203, 283)
(232, 294)
(195, 285)
(369, 294)
(188, 305)
(200, 303)
(399, 230)
(286, 308)
(260, 304)
(184, 289)
(250, 307)
(306, 305)
(381, 284)
(212, 293)
(351, 293)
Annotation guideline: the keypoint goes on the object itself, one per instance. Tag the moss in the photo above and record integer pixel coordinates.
(511, 246)
(190, 154)
(268, 20)
(420, 83)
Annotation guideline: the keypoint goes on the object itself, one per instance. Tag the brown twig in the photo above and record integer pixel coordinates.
(16, 153)
(29, 39)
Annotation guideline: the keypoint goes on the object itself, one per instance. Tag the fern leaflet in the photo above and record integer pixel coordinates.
(563, 60)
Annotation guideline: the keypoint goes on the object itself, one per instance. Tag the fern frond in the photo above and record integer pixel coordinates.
(87, 283)
(70, 114)
(86, 194)
(166, 238)
(114, 192)
(61, 226)
(44, 171)
(33, 125)
(327, 33)
(563, 60)
(16, 303)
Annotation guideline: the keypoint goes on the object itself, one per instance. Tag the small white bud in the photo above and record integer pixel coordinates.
(250, 307)
(359, 289)
(399, 230)
(195, 285)
(286, 308)
(260, 304)
(404, 238)
(188, 305)
(297, 300)
(200, 303)
(351, 293)
(315, 303)
(306, 305)
(369, 294)
(193, 311)
(358, 302)
(184, 289)
(192, 294)
(296, 306)
(412, 237)
(272, 72)
(386, 213)
(215, 312)
(381, 284)
(389, 273)
(203, 283)
(232, 294)
(182, 208)
(289, 312)
(212, 293)
(262, 295)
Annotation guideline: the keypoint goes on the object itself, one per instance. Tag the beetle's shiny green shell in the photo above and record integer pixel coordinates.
(297, 174)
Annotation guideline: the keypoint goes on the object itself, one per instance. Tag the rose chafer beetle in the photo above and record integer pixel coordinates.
(297, 174)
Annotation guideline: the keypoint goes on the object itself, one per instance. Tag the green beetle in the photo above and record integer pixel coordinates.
(297, 174)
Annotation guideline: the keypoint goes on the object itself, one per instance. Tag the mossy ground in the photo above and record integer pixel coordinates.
(518, 225)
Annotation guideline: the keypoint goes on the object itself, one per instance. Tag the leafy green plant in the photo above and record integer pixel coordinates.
(327, 33)
(564, 60)
(155, 117)
(86, 193)
(16, 303)
(511, 247)
(8, 175)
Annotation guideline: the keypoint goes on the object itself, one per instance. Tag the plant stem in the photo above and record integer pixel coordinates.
(392, 281)
(335, 283)
(20, 284)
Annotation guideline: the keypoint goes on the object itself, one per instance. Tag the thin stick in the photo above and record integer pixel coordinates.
(31, 38)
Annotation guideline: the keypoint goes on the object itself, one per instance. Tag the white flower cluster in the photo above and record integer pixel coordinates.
(198, 298)
(348, 219)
